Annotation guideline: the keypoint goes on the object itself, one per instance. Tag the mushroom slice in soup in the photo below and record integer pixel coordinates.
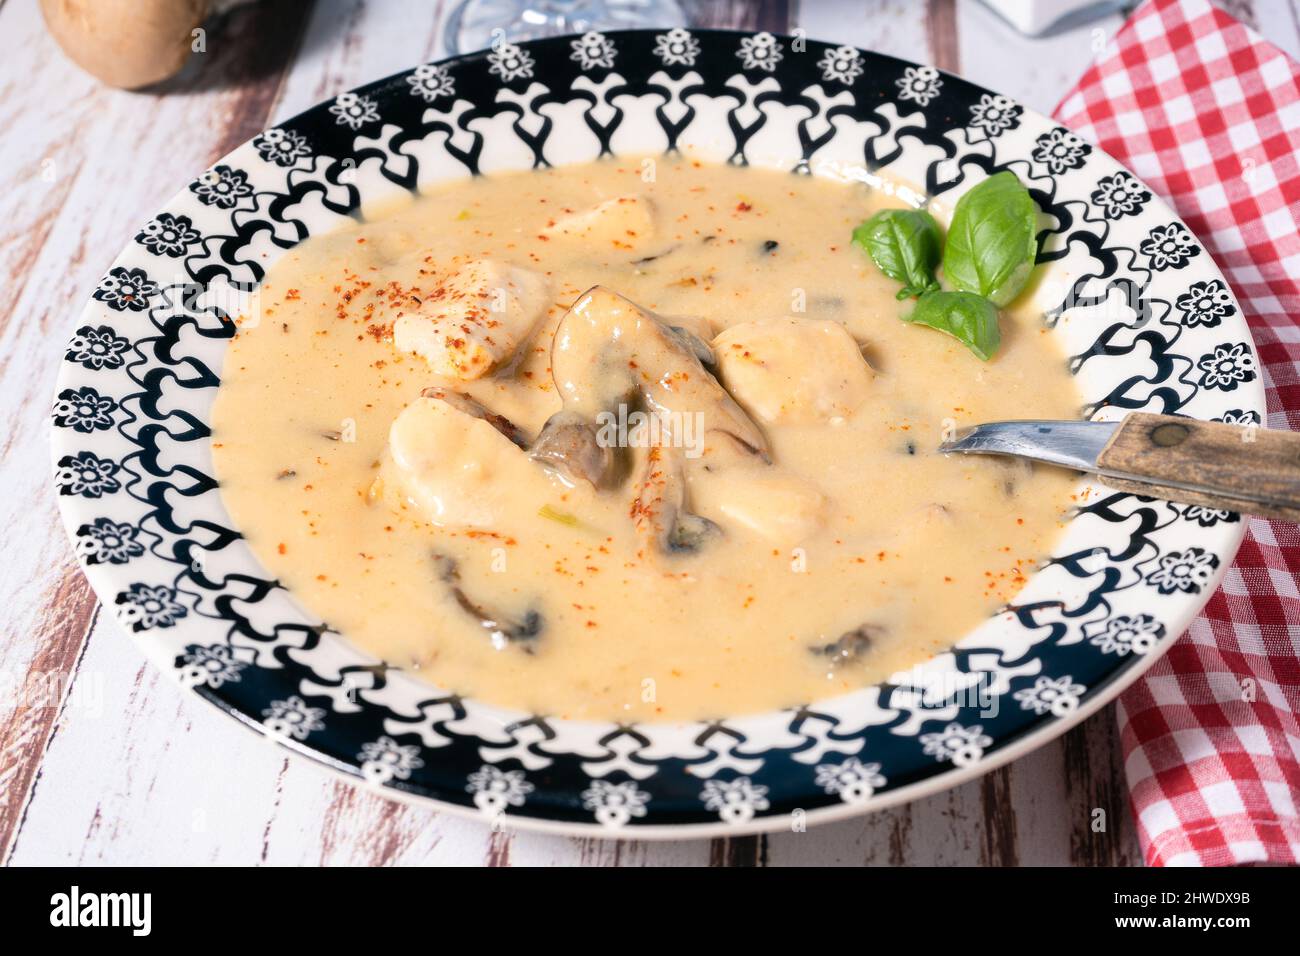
(851, 646)
(474, 319)
(793, 370)
(472, 407)
(689, 331)
(609, 352)
(659, 514)
(624, 222)
(570, 446)
(503, 628)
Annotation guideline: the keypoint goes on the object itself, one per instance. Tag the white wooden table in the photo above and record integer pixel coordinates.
(102, 759)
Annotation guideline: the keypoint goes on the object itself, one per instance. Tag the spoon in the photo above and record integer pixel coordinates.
(1241, 468)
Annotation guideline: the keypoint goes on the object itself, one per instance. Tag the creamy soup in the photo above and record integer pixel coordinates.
(595, 443)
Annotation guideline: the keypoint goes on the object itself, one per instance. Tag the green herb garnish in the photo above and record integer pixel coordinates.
(904, 244)
(988, 256)
(967, 317)
(991, 241)
(563, 517)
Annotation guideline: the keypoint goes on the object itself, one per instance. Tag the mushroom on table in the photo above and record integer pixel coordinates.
(129, 43)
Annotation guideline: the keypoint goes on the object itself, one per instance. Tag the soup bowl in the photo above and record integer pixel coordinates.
(1130, 296)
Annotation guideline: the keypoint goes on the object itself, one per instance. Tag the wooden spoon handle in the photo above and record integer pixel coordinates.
(1231, 467)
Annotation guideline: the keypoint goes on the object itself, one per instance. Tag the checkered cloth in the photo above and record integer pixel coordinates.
(1208, 114)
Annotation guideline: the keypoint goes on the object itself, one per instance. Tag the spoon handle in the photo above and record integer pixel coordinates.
(1230, 467)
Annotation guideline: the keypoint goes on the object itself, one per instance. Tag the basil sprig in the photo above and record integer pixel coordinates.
(904, 244)
(991, 240)
(967, 317)
(987, 258)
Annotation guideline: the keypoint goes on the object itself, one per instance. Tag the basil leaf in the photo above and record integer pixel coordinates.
(904, 244)
(967, 317)
(991, 245)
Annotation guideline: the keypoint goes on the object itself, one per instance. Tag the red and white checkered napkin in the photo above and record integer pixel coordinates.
(1208, 114)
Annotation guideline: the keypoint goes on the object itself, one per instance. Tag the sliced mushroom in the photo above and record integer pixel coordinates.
(851, 645)
(570, 445)
(1014, 471)
(659, 514)
(607, 351)
(472, 407)
(646, 260)
(701, 349)
(503, 629)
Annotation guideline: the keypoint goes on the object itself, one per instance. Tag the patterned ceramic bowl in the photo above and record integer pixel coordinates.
(1125, 288)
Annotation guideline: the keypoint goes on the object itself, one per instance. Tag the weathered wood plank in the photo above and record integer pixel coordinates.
(48, 606)
(350, 42)
(1000, 845)
(895, 27)
(257, 45)
(1101, 827)
(774, 16)
(25, 731)
(46, 167)
(146, 773)
(941, 28)
(73, 195)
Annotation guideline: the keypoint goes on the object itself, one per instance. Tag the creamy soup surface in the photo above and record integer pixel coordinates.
(762, 520)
